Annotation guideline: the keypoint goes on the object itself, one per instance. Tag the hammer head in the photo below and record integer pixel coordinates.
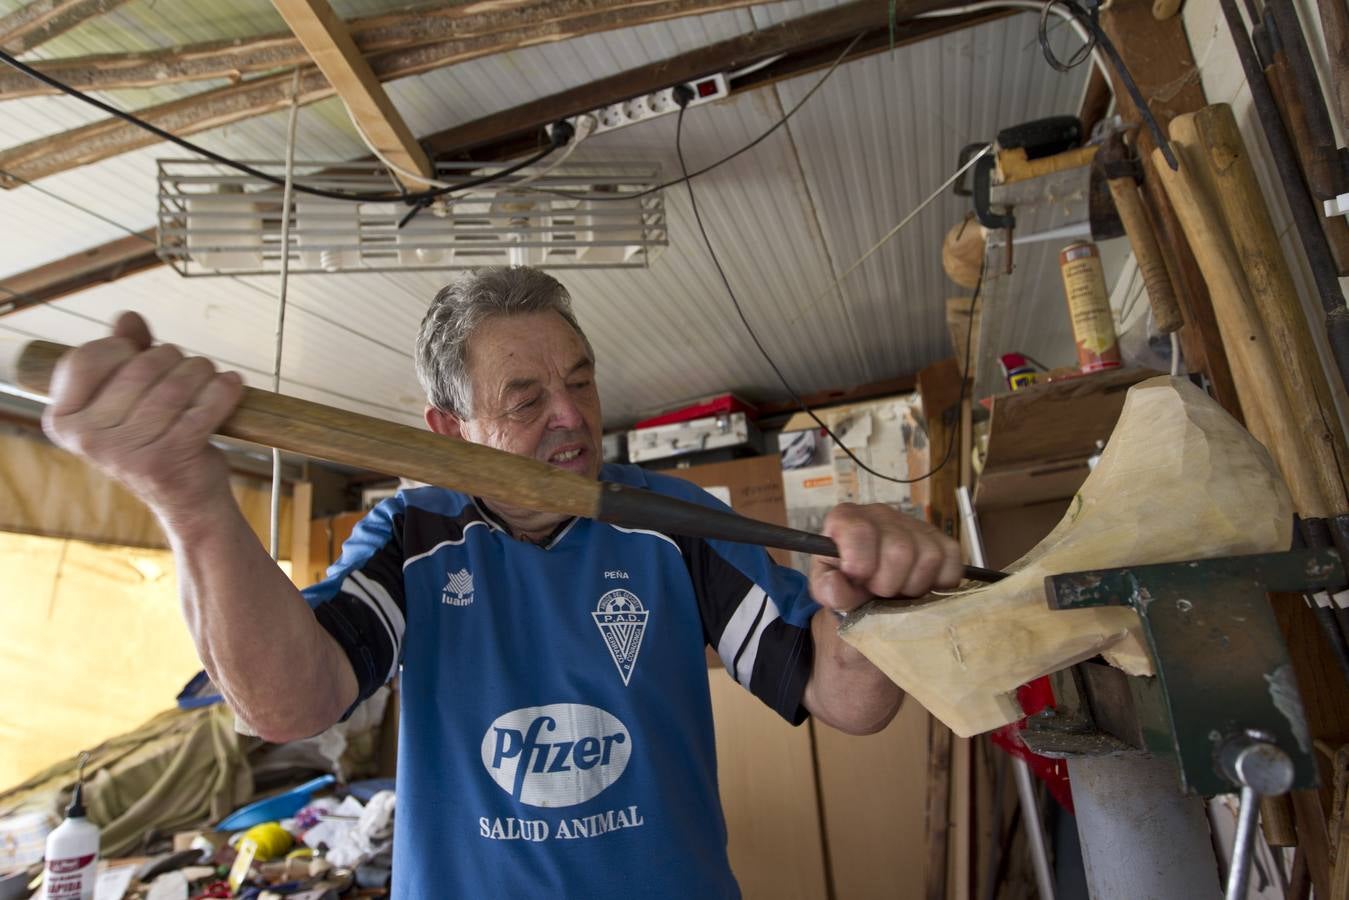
(1114, 160)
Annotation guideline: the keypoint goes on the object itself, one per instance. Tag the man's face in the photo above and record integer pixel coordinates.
(534, 392)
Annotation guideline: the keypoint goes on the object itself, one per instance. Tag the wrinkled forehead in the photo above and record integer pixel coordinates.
(505, 350)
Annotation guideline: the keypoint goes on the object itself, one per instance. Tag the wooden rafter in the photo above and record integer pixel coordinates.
(98, 265)
(41, 20)
(329, 44)
(523, 23)
(233, 103)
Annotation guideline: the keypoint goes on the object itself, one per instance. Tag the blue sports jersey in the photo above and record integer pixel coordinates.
(556, 732)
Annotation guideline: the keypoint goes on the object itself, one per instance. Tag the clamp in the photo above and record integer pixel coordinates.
(1224, 702)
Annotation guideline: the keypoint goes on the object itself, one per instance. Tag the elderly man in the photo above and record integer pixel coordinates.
(556, 726)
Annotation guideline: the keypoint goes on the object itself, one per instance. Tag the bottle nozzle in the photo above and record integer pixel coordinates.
(76, 807)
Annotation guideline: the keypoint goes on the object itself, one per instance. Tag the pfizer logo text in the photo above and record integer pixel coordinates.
(556, 755)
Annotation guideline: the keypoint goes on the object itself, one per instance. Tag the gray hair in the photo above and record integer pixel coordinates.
(464, 304)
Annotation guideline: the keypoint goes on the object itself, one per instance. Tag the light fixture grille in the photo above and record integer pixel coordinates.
(214, 220)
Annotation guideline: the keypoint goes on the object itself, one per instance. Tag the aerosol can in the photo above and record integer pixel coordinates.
(71, 867)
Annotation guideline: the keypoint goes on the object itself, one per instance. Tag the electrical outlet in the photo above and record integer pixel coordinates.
(657, 103)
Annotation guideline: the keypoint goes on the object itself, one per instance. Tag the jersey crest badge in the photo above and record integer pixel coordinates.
(621, 619)
(458, 590)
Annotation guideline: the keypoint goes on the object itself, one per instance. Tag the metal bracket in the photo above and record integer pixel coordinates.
(1222, 666)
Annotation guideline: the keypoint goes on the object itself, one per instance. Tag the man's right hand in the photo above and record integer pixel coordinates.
(143, 414)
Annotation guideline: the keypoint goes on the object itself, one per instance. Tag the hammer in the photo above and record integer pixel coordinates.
(312, 429)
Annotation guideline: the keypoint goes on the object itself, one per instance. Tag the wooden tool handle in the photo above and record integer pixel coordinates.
(1161, 296)
(312, 429)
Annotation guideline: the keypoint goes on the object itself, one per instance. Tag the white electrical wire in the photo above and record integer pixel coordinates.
(585, 126)
(902, 222)
(281, 304)
(1034, 5)
(753, 67)
(389, 164)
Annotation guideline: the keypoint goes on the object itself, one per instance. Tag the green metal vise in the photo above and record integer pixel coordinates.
(1223, 673)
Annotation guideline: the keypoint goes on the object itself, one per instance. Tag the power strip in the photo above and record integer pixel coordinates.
(650, 106)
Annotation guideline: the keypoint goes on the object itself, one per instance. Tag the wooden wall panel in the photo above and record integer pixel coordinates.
(874, 796)
(768, 792)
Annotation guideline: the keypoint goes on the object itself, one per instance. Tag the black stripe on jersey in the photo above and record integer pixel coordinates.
(785, 654)
(357, 622)
(426, 529)
(360, 633)
(718, 585)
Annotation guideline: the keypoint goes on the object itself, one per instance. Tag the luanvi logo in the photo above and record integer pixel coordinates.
(458, 590)
(556, 755)
(621, 619)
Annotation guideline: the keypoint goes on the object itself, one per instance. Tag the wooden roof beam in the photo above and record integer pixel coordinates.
(329, 44)
(97, 265)
(527, 22)
(793, 36)
(41, 20)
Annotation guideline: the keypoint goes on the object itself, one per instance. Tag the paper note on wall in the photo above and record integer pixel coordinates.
(721, 492)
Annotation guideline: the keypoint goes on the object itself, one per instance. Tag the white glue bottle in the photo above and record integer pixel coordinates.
(71, 867)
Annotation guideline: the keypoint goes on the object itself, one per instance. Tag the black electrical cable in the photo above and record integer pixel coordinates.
(725, 159)
(560, 136)
(1100, 39)
(969, 339)
(1082, 55)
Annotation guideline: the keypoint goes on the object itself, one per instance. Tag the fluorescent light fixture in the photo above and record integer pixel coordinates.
(216, 221)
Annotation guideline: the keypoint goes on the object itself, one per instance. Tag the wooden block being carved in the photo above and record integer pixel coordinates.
(1180, 479)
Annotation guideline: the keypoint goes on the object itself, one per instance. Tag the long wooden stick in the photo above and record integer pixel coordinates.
(1254, 364)
(1224, 164)
(338, 435)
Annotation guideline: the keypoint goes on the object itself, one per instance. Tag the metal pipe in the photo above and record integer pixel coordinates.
(1030, 814)
(1141, 837)
(1243, 847)
(1305, 218)
(1025, 789)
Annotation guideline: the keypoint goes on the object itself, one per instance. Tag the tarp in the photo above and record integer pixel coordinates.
(177, 769)
(93, 644)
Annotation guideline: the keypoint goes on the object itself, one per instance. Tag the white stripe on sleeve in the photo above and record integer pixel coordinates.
(743, 631)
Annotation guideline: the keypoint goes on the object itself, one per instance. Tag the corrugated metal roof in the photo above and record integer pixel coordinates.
(784, 218)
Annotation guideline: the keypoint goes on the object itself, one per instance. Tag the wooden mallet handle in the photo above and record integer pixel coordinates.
(312, 429)
(1148, 254)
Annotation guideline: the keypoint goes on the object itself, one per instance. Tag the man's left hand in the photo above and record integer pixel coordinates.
(882, 553)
